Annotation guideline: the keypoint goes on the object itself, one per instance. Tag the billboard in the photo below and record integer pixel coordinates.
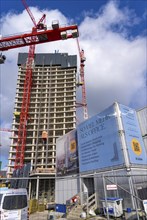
(99, 142)
(135, 145)
(67, 154)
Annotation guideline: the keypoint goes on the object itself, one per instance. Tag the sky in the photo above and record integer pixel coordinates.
(113, 35)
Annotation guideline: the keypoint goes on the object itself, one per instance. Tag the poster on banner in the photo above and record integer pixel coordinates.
(99, 142)
(67, 154)
(135, 145)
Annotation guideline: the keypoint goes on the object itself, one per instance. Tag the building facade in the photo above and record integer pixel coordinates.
(52, 111)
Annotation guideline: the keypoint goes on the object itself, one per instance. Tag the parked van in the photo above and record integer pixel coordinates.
(13, 204)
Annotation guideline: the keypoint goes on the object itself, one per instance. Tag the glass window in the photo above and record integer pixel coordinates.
(15, 202)
(1, 197)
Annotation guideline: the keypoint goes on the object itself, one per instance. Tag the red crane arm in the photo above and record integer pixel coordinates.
(31, 15)
(41, 19)
(39, 37)
(29, 12)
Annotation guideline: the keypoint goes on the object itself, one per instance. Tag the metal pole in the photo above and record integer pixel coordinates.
(37, 188)
(131, 191)
(122, 135)
(134, 199)
(87, 204)
(115, 178)
(81, 190)
(30, 190)
(95, 190)
(105, 193)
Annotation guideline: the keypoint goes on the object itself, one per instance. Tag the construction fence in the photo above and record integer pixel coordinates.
(129, 189)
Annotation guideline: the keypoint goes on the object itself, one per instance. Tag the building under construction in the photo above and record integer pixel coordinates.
(52, 113)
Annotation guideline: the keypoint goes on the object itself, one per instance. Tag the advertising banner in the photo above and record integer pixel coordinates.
(99, 142)
(67, 154)
(135, 145)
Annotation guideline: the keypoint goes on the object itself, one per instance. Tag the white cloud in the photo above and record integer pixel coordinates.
(115, 61)
(4, 146)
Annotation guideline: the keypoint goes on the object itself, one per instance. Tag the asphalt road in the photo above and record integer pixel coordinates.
(44, 216)
(39, 215)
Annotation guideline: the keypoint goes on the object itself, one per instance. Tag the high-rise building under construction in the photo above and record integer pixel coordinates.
(52, 112)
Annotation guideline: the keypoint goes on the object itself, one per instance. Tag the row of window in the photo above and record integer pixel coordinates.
(48, 72)
(30, 150)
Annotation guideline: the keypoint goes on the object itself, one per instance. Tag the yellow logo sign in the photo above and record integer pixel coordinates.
(73, 146)
(136, 147)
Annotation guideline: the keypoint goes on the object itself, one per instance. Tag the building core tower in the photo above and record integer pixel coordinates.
(52, 110)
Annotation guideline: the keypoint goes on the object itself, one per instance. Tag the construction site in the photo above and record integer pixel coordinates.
(58, 160)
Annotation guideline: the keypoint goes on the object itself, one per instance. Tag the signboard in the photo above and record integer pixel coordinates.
(99, 142)
(136, 149)
(67, 154)
(111, 187)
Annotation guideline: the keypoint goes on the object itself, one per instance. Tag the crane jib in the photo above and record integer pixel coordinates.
(7, 43)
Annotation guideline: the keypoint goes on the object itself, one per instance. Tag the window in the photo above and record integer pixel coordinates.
(1, 195)
(15, 202)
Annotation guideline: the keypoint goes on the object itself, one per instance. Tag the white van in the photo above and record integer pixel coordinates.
(13, 204)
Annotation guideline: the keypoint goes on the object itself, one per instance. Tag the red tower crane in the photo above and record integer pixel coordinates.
(82, 65)
(39, 35)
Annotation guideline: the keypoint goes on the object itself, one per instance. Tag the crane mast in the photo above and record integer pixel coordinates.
(82, 65)
(22, 130)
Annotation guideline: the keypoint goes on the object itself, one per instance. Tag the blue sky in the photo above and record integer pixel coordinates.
(113, 35)
(76, 9)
